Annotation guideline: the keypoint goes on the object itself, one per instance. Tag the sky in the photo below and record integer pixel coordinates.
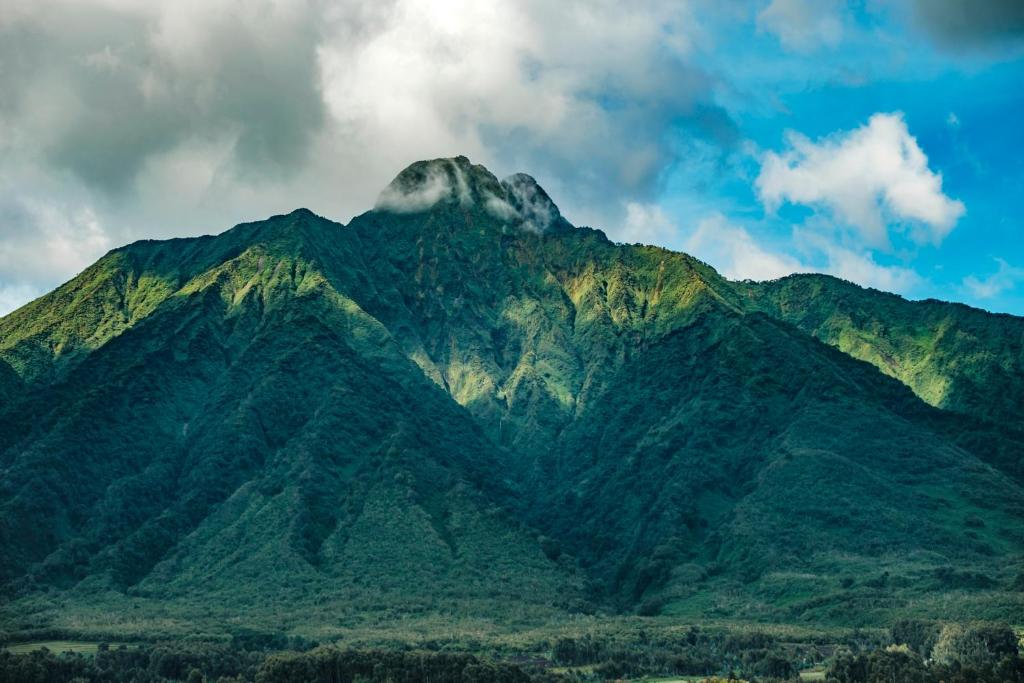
(881, 141)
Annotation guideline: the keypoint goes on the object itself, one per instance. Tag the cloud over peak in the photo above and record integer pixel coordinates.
(517, 199)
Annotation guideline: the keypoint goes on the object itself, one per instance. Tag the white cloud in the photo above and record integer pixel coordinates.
(39, 238)
(440, 179)
(646, 224)
(871, 179)
(1004, 279)
(732, 251)
(857, 266)
(14, 296)
(803, 25)
(527, 203)
(176, 118)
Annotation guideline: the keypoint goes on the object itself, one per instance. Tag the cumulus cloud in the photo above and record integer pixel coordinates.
(871, 179)
(43, 242)
(1005, 278)
(646, 224)
(856, 265)
(110, 85)
(38, 237)
(176, 118)
(739, 255)
(803, 25)
(574, 91)
(736, 254)
(967, 23)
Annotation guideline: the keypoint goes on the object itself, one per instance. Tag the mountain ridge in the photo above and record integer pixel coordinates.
(463, 407)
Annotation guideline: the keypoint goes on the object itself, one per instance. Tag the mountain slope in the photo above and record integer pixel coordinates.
(460, 402)
(259, 425)
(952, 356)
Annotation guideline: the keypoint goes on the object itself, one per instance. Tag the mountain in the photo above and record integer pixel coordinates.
(952, 356)
(459, 406)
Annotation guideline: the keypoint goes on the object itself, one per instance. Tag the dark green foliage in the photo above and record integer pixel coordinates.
(204, 662)
(918, 635)
(330, 665)
(894, 665)
(881, 666)
(696, 653)
(147, 664)
(450, 414)
(975, 644)
(951, 355)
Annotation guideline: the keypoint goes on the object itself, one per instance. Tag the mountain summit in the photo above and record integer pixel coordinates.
(460, 404)
(517, 199)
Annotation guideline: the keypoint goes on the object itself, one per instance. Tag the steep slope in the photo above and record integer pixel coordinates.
(460, 402)
(952, 356)
(754, 452)
(10, 383)
(258, 430)
(48, 336)
(556, 354)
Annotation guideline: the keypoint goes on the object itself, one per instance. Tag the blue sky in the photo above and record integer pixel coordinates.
(961, 104)
(877, 140)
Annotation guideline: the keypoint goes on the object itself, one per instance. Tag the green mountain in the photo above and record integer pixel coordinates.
(952, 356)
(460, 407)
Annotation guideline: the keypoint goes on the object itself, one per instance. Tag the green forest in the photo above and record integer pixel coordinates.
(456, 443)
(910, 651)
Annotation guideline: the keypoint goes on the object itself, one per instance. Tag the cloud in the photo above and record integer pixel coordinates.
(1006, 278)
(423, 185)
(857, 266)
(110, 85)
(176, 118)
(870, 179)
(113, 85)
(803, 25)
(15, 296)
(527, 202)
(646, 224)
(38, 237)
(970, 23)
(736, 254)
(572, 92)
(42, 242)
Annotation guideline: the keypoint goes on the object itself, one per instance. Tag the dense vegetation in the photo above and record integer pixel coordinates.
(471, 416)
(912, 651)
(952, 356)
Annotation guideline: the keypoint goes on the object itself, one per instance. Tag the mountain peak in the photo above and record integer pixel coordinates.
(424, 184)
(530, 202)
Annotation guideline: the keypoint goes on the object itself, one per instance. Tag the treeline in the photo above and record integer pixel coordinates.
(204, 663)
(696, 652)
(192, 662)
(912, 652)
(923, 652)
